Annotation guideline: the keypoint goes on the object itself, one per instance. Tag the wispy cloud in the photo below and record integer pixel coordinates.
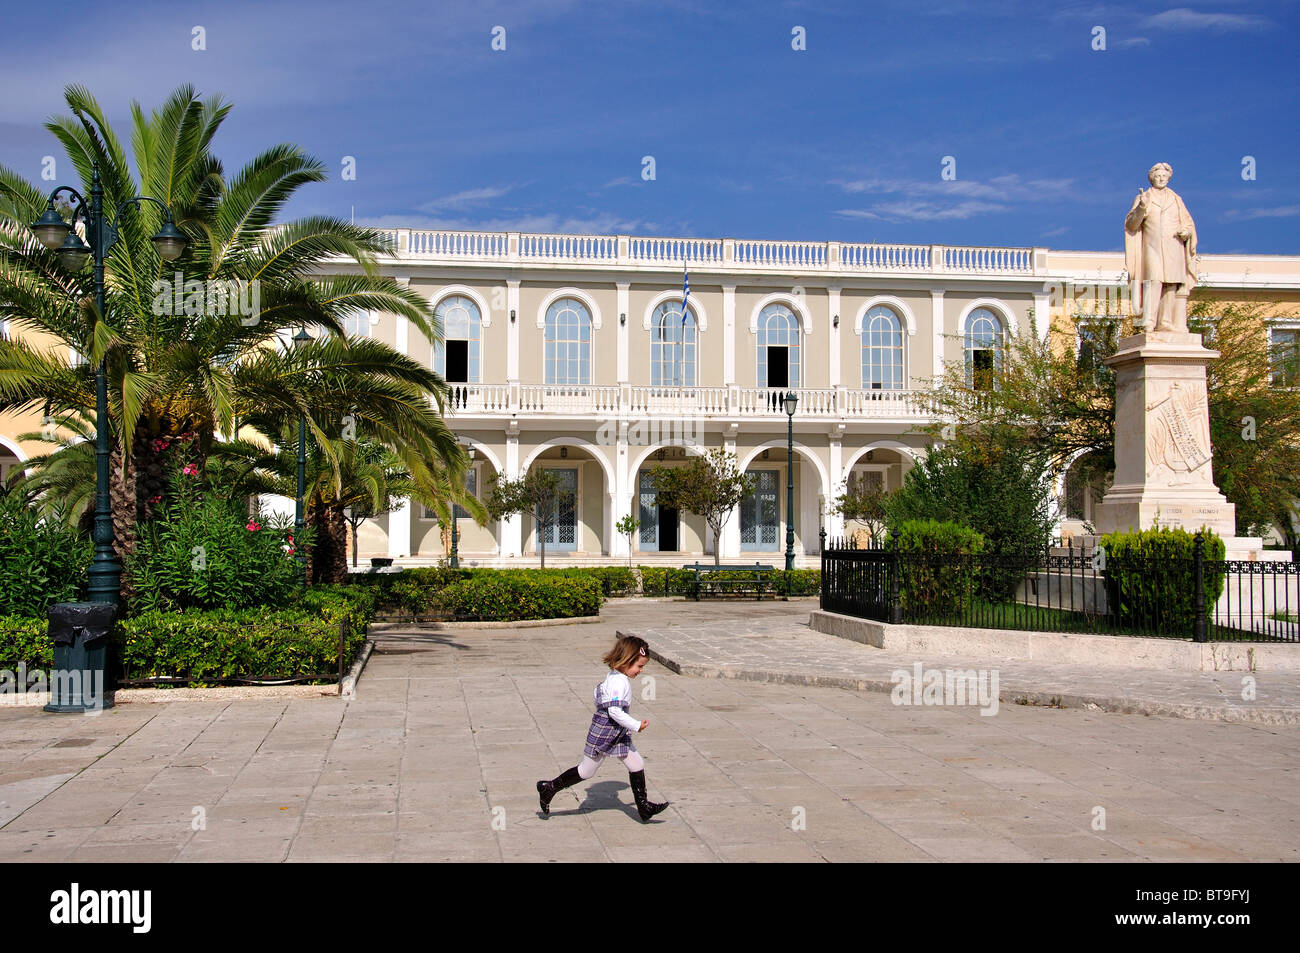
(466, 198)
(1181, 18)
(597, 223)
(1134, 41)
(1245, 215)
(923, 211)
(945, 201)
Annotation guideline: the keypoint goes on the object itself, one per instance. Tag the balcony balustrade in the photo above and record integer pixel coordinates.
(709, 253)
(637, 400)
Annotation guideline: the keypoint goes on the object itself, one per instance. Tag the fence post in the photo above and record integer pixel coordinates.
(895, 607)
(343, 631)
(821, 596)
(1199, 628)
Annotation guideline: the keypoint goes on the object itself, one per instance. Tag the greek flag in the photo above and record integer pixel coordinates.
(686, 292)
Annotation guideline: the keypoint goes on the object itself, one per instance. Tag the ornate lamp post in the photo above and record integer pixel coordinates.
(790, 400)
(299, 339)
(56, 235)
(454, 561)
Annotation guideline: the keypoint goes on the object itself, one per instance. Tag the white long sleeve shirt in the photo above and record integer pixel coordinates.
(617, 687)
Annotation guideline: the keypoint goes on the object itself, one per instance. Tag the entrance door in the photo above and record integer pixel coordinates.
(658, 531)
(562, 534)
(760, 514)
(649, 513)
(668, 530)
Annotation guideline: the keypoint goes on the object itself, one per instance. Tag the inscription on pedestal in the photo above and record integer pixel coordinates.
(1174, 443)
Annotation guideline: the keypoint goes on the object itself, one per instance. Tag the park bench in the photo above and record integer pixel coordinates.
(759, 580)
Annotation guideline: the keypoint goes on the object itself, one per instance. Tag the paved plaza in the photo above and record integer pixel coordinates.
(436, 757)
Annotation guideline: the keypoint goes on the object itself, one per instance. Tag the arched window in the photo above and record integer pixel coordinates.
(457, 357)
(672, 346)
(356, 324)
(882, 349)
(983, 347)
(568, 343)
(778, 347)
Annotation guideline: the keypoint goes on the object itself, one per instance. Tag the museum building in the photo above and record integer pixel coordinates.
(572, 353)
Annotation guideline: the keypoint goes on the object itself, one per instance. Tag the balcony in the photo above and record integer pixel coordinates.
(638, 400)
(712, 254)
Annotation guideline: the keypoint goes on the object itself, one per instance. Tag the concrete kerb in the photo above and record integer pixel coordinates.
(1118, 705)
(382, 627)
(1114, 651)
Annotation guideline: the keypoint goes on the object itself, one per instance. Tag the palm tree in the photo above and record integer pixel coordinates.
(172, 375)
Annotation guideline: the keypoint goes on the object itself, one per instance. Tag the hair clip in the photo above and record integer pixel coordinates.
(641, 650)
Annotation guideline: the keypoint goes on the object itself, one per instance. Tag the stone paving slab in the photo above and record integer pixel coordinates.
(435, 759)
(788, 652)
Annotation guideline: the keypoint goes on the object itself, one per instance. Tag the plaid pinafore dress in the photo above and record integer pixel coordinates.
(605, 736)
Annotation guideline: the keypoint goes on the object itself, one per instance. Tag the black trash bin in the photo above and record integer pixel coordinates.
(79, 631)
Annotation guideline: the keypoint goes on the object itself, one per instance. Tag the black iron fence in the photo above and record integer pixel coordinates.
(1067, 590)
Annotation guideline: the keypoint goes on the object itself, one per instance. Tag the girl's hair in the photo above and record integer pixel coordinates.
(626, 651)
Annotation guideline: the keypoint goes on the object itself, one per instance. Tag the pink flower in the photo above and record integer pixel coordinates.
(155, 499)
(252, 527)
(190, 470)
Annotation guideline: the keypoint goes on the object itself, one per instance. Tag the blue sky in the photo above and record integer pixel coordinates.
(844, 140)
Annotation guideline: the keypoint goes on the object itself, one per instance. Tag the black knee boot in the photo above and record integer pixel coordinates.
(644, 806)
(548, 789)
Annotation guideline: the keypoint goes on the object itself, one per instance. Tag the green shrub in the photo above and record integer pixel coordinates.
(936, 574)
(652, 580)
(994, 485)
(250, 644)
(25, 640)
(42, 562)
(205, 552)
(799, 582)
(506, 597)
(1151, 579)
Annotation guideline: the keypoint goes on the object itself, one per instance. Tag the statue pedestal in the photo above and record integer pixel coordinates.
(1163, 461)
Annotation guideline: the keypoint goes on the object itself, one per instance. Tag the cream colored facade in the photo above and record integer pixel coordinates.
(608, 427)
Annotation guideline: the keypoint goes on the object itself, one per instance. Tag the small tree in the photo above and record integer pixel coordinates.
(865, 502)
(539, 492)
(628, 525)
(711, 487)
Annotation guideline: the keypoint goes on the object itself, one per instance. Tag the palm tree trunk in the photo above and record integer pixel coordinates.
(329, 555)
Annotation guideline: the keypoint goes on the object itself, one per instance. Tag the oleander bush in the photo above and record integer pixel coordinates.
(42, 561)
(1151, 579)
(205, 552)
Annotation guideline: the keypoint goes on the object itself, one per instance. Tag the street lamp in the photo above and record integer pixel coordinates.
(790, 400)
(300, 339)
(60, 237)
(454, 562)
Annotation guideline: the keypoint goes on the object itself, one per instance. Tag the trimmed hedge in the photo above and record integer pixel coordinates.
(24, 640)
(936, 577)
(509, 598)
(224, 643)
(667, 581)
(420, 592)
(1151, 578)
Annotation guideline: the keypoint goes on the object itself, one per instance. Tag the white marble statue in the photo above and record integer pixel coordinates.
(1160, 253)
